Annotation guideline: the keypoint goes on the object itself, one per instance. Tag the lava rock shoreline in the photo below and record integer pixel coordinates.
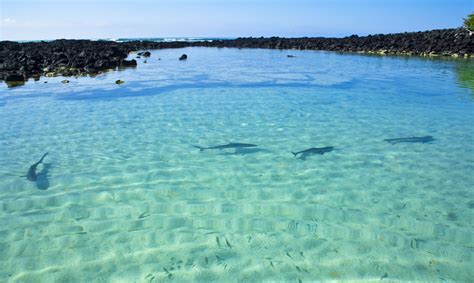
(21, 61)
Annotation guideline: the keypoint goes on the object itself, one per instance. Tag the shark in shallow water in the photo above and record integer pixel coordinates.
(312, 151)
(31, 174)
(226, 146)
(424, 139)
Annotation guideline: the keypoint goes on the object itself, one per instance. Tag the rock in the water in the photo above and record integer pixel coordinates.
(14, 78)
(146, 54)
(183, 57)
(65, 81)
(129, 63)
(290, 56)
(119, 82)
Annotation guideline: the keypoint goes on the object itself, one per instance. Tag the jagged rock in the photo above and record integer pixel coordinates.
(129, 63)
(14, 78)
(85, 57)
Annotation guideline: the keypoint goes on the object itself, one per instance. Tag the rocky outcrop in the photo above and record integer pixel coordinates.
(14, 78)
(448, 42)
(144, 54)
(128, 63)
(20, 61)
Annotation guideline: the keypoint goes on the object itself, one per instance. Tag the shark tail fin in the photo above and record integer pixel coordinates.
(44, 155)
(200, 147)
(41, 160)
(294, 153)
(392, 142)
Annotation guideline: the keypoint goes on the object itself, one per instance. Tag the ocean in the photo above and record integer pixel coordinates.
(124, 194)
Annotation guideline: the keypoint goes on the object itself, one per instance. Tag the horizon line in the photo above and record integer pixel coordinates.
(215, 37)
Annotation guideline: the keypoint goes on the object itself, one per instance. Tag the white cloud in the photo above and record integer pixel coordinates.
(8, 21)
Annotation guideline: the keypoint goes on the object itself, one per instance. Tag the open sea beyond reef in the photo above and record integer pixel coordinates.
(123, 196)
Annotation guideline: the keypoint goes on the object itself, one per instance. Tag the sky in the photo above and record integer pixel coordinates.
(52, 19)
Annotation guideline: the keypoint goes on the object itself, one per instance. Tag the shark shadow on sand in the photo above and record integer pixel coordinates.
(425, 139)
(312, 151)
(232, 145)
(245, 151)
(42, 181)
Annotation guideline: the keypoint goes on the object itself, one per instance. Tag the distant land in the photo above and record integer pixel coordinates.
(20, 61)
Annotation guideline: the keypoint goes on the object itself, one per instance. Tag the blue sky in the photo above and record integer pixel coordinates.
(50, 19)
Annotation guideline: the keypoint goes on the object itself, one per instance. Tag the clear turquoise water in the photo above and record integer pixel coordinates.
(126, 198)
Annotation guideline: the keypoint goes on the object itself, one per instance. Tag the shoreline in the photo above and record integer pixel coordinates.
(21, 61)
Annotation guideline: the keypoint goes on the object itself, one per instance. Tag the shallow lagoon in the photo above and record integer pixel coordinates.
(124, 196)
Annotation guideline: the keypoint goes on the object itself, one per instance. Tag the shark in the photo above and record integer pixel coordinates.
(31, 174)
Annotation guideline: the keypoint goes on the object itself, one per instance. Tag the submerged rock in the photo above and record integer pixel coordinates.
(183, 57)
(65, 81)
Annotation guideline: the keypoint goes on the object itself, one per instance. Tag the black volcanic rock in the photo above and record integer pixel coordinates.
(129, 63)
(183, 57)
(14, 78)
(85, 57)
